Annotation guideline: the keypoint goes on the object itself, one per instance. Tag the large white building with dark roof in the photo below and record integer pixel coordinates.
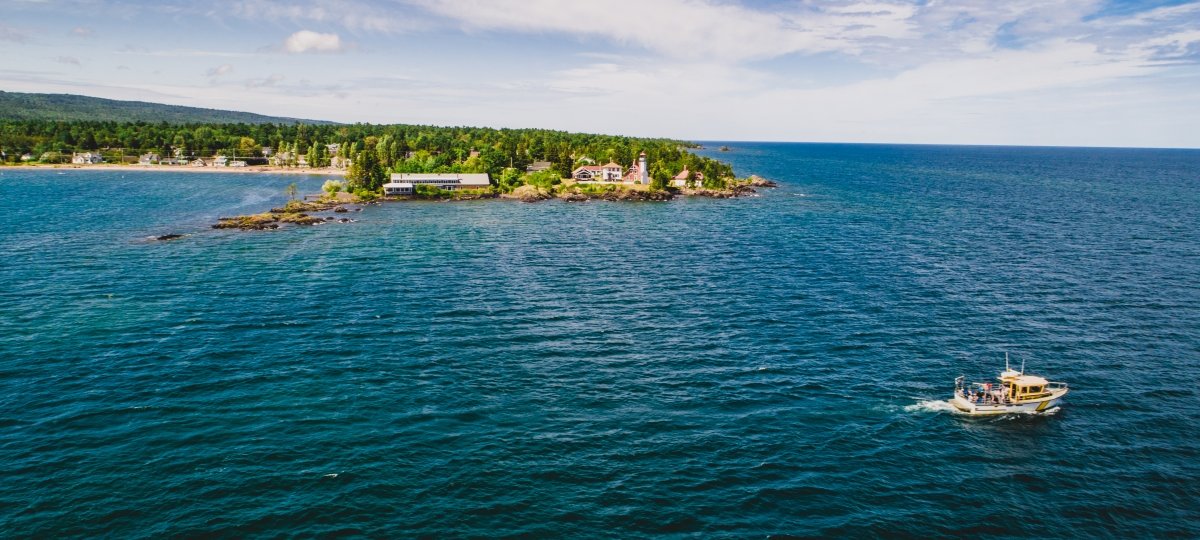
(403, 183)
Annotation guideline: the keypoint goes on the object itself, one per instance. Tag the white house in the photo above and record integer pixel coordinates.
(680, 179)
(609, 172)
(86, 158)
(237, 163)
(221, 161)
(148, 159)
(401, 182)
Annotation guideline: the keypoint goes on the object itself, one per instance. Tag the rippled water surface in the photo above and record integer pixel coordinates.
(711, 368)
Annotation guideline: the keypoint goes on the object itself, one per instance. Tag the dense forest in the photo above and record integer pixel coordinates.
(373, 149)
(71, 108)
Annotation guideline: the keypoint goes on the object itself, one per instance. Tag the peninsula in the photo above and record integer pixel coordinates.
(380, 162)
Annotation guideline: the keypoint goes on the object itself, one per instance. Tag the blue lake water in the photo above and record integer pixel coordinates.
(699, 368)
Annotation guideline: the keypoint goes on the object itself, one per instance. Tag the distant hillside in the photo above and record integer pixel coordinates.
(70, 107)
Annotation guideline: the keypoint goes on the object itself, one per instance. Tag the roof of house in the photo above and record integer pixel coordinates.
(611, 165)
(593, 168)
(464, 179)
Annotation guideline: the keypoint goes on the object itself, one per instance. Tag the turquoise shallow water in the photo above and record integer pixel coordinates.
(706, 368)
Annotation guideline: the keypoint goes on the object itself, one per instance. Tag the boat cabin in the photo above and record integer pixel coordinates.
(1018, 387)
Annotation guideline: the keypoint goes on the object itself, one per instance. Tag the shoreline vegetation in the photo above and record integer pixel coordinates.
(257, 169)
(517, 164)
(334, 200)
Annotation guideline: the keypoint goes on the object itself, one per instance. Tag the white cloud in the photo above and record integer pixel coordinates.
(8, 33)
(350, 14)
(220, 70)
(306, 41)
(677, 28)
(82, 31)
(270, 80)
(67, 60)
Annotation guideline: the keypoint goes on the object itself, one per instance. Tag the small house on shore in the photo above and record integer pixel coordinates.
(148, 159)
(609, 172)
(405, 183)
(681, 179)
(86, 158)
(539, 166)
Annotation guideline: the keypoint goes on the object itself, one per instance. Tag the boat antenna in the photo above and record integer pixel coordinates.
(1022, 365)
(1006, 368)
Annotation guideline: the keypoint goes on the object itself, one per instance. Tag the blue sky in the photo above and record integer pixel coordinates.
(972, 72)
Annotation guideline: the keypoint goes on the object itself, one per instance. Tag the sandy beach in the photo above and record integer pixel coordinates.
(257, 169)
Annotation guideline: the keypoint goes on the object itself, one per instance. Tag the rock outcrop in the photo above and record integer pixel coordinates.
(530, 194)
(758, 181)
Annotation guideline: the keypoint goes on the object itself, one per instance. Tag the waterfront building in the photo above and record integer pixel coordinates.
(609, 172)
(680, 179)
(86, 158)
(405, 183)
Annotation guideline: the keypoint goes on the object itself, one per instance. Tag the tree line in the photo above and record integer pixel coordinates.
(373, 149)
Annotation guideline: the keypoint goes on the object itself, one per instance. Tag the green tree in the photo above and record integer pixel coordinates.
(659, 179)
(366, 172)
(332, 187)
(247, 147)
(291, 190)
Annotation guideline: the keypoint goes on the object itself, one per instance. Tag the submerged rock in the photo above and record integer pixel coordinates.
(171, 236)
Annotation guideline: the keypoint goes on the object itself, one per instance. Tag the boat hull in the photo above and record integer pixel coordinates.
(1033, 406)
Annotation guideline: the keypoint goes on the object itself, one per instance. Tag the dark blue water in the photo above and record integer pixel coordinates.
(698, 368)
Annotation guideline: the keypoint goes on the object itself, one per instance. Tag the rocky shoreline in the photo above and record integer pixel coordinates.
(293, 213)
(299, 212)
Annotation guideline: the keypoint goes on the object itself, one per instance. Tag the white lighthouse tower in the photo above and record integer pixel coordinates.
(644, 172)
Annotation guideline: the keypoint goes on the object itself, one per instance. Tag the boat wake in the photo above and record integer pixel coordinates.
(944, 406)
(933, 405)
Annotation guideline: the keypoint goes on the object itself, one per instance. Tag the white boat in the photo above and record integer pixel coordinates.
(1015, 393)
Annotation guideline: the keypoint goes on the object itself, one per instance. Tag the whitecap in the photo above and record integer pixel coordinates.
(933, 405)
